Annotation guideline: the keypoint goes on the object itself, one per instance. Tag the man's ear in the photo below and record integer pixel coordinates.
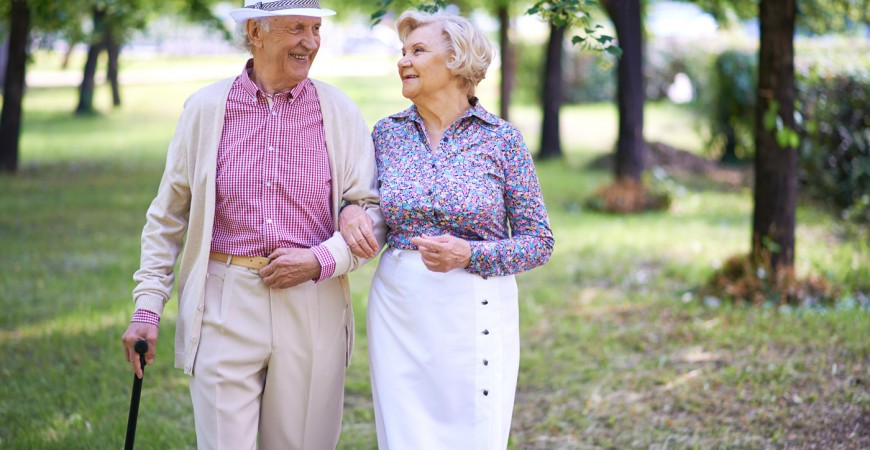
(255, 33)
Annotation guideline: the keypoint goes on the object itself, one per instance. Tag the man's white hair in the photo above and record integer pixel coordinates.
(241, 36)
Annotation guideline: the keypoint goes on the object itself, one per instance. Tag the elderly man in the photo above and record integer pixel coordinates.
(256, 173)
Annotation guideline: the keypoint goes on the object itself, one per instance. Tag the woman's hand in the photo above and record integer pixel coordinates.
(443, 253)
(357, 229)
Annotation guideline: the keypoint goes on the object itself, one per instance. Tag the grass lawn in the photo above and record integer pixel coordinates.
(618, 351)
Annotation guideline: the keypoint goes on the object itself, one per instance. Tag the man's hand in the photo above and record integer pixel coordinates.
(357, 229)
(136, 331)
(443, 253)
(290, 267)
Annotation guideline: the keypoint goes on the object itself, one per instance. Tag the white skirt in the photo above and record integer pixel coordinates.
(444, 351)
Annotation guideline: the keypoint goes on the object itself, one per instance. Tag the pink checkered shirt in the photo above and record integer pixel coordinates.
(273, 180)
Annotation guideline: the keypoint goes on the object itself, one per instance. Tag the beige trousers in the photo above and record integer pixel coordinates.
(270, 365)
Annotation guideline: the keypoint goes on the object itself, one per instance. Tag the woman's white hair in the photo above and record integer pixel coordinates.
(471, 50)
(241, 35)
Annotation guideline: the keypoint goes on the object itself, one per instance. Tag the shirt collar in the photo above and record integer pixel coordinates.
(251, 88)
(477, 110)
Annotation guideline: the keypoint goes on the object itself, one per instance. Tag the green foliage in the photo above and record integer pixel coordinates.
(814, 16)
(386, 6)
(574, 14)
(589, 77)
(73, 20)
(835, 151)
(833, 127)
(585, 77)
(665, 58)
(732, 116)
(827, 16)
(772, 122)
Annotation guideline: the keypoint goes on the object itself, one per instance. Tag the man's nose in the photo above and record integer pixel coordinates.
(309, 42)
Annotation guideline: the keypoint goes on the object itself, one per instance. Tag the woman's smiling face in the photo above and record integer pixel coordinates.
(423, 66)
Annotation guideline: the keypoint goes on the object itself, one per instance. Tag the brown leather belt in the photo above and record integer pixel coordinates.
(251, 262)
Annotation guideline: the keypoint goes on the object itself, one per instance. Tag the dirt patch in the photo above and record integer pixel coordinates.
(682, 163)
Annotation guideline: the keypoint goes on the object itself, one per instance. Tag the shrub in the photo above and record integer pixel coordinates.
(835, 145)
(592, 78)
(833, 94)
(732, 105)
(585, 80)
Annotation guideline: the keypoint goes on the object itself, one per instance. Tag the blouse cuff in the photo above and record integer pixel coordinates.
(481, 258)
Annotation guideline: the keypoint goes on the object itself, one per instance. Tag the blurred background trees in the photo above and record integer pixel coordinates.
(103, 25)
(783, 94)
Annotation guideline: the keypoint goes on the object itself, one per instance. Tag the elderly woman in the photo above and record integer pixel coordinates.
(464, 209)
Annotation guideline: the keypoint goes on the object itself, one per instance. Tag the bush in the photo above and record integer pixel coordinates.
(529, 72)
(732, 105)
(585, 80)
(834, 153)
(665, 58)
(592, 78)
(833, 94)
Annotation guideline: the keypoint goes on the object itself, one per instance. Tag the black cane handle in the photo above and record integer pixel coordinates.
(141, 347)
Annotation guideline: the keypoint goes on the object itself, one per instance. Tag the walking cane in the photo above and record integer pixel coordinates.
(141, 346)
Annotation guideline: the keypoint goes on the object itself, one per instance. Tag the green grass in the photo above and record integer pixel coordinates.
(618, 351)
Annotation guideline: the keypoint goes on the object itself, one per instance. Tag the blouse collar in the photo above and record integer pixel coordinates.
(476, 110)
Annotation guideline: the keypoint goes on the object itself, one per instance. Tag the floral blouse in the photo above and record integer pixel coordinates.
(479, 185)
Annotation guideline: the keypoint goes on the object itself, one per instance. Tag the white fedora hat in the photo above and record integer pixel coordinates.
(256, 9)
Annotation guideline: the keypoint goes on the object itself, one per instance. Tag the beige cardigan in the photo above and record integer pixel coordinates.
(185, 204)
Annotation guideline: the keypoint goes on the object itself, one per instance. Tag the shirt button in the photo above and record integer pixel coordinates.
(268, 221)
(268, 184)
(271, 148)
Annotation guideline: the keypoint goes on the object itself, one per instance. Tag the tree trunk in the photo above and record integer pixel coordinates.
(729, 156)
(773, 219)
(630, 149)
(551, 144)
(113, 49)
(64, 63)
(507, 60)
(13, 86)
(86, 89)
